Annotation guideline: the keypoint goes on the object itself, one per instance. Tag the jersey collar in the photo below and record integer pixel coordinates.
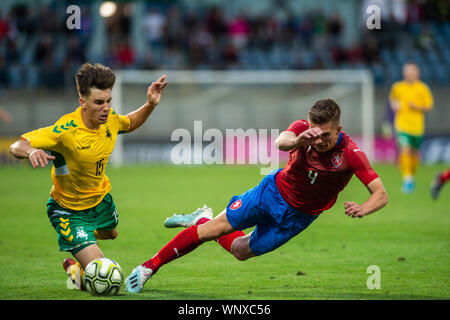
(339, 139)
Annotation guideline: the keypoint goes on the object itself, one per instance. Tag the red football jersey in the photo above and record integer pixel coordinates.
(311, 180)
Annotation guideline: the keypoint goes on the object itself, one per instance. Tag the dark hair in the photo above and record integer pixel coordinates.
(325, 110)
(93, 76)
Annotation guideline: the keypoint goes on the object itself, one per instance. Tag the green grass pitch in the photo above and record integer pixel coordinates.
(408, 240)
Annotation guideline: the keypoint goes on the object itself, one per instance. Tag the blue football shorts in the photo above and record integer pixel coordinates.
(263, 206)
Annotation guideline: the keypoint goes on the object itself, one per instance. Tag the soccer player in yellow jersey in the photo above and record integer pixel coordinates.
(410, 99)
(80, 207)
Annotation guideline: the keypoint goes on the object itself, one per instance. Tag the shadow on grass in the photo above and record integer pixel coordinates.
(180, 295)
(165, 295)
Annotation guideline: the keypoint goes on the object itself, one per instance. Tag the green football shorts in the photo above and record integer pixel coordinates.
(75, 229)
(408, 140)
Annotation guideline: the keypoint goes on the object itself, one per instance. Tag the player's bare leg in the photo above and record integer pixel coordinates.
(218, 227)
(236, 242)
(214, 229)
(240, 248)
(75, 269)
(407, 166)
(88, 254)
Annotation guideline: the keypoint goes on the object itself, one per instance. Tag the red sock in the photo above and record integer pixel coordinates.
(445, 176)
(226, 240)
(183, 243)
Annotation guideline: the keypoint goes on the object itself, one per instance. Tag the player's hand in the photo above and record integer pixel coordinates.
(39, 158)
(414, 107)
(155, 89)
(354, 210)
(395, 105)
(308, 137)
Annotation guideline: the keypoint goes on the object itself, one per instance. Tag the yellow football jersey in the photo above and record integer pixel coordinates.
(78, 172)
(408, 120)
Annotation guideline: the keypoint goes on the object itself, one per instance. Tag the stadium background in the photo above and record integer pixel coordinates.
(39, 56)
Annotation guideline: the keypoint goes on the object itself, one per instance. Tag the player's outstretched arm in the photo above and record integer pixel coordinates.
(154, 92)
(287, 140)
(423, 108)
(377, 200)
(22, 149)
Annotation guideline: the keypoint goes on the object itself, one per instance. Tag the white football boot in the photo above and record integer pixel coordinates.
(188, 220)
(138, 277)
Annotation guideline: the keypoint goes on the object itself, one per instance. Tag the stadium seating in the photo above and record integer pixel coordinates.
(44, 57)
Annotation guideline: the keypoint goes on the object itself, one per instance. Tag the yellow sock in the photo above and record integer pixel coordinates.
(406, 164)
(416, 162)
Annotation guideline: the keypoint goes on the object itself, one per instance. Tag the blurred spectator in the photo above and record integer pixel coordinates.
(238, 30)
(437, 10)
(75, 54)
(4, 27)
(50, 74)
(413, 12)
(174, 31)
(44, 50)
(306, 28)
(272, 29)
(197, 46)
(85, 32)
(125, 55)
(290, 28)
(399, 11)
(49, 22)
(13, 61)
(230, 56)
(3, 73)
(148, 62)
(12, 53)
(34, 41)
(173, 58)
(320, 41)
(154, 24)
(334, 28)
(215, 23)
(425, 39)
(371, 50)
(22, 19)
(320, 22)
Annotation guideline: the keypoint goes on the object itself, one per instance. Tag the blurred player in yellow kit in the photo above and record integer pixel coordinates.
(410, 99)
(80, 207)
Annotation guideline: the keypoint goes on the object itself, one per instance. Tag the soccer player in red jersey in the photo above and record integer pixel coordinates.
(322, 161)
(440, 179)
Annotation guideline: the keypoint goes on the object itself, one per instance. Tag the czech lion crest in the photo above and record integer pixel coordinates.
(336, 159)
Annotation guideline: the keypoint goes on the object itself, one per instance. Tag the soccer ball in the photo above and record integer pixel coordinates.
(103, 277)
